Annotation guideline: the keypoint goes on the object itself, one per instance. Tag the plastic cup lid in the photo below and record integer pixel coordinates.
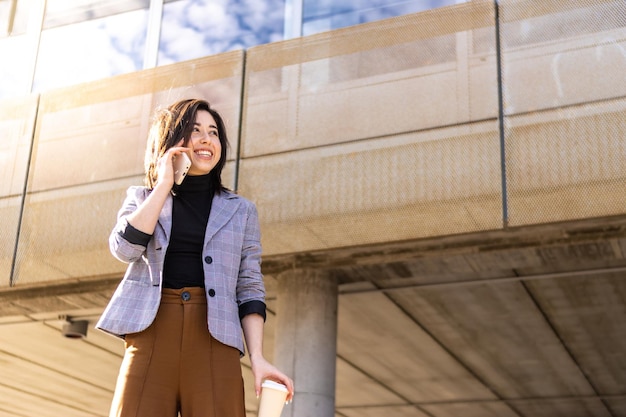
(274, 385)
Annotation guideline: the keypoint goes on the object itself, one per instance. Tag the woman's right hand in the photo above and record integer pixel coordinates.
(146, 216)
(165, 165)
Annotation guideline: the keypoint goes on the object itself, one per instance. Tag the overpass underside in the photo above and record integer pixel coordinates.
(522, 322)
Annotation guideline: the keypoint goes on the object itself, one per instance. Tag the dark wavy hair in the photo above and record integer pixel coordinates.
(174, 123)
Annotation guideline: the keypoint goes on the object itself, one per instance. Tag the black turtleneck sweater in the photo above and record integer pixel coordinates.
(190, 214)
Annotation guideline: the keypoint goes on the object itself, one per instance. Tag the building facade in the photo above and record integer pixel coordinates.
(440, 195)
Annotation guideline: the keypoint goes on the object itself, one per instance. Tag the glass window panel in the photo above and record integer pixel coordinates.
(63, 12)
(325, 15)
(14, 76)
(195, 28)
(91, 50)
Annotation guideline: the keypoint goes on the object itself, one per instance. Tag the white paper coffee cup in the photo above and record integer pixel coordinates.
(273, 396)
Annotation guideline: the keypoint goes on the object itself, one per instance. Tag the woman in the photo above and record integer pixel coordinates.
(193, 281)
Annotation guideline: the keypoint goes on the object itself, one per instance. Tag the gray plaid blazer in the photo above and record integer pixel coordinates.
(232, 239)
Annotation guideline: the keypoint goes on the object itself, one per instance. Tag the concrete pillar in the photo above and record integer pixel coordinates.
(306, 340)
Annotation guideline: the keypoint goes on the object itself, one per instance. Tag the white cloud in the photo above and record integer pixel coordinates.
(213, 19)
(263, 15)
(128, 32)
(224, 25)
(91, 50)
(185, 43)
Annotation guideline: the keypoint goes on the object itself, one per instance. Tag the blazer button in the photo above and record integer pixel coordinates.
(208, 260)
(211, 292)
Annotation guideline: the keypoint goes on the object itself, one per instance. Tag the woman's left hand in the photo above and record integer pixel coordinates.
(262, 370)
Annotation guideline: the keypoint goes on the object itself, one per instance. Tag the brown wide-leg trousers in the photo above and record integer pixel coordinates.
(175, 365)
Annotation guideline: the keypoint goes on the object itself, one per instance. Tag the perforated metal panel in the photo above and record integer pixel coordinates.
(89, 148)
(381, 132)
(17, 122)
(564, 93)
(376, 133)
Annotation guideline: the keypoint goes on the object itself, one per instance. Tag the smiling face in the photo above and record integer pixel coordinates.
(206, 149)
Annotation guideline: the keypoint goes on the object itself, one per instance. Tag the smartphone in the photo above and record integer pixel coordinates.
(182, 163)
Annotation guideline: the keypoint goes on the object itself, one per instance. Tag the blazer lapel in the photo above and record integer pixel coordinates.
(223, 209)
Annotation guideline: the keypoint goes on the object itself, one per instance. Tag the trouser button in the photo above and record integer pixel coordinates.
(185, 296)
